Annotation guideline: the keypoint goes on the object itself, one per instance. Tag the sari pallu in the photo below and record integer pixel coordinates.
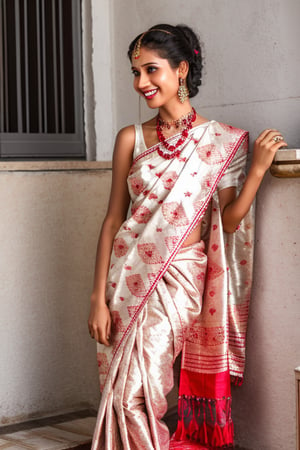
(214, 352)
(169, 198)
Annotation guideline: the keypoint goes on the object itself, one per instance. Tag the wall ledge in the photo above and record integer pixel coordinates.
(53, 166)
(286, 163)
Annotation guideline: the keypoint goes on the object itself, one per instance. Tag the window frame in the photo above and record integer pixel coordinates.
(26, 145)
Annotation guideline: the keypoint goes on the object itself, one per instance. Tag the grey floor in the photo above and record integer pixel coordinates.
(69, 431)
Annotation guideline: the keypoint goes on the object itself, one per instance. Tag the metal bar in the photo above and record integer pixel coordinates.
(26, 64)
(5, 84)
(55, 81)
(76, 25)
(1, 74)
(18, 68)
(44, 62)
(39, 71)
(61, 59)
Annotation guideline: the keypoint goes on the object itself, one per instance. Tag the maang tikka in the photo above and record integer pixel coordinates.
(183, 92)
(137, 48)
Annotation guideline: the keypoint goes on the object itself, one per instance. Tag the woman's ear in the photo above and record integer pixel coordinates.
(183, 69)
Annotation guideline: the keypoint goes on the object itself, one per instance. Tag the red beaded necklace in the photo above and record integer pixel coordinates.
(173, 150)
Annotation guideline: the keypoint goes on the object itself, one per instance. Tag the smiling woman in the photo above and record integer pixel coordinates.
(170, 275)
(155, 78)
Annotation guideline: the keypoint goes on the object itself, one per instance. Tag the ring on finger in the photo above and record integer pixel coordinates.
(277, 139)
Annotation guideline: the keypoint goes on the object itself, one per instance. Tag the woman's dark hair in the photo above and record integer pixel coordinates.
(175, 43)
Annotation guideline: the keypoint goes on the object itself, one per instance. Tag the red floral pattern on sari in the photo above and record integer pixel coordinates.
(174, 214)
(210, 154)
(142, 214)
(136, 184)
(169, 179)
(136, 285)
(120, 247)
(149, 253)
(213, 270)
(171, 242)
(117, 323)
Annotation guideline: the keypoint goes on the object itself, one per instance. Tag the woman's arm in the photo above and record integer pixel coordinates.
(234, 208)
(99, 321)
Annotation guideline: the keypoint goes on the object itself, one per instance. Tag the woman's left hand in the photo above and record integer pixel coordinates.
(265, 147)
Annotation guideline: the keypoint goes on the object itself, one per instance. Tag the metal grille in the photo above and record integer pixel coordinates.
(40, 78)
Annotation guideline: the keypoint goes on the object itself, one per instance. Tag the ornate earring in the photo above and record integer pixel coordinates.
(183, 92)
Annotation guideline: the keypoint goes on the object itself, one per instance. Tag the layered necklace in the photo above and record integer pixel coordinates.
(185, 123)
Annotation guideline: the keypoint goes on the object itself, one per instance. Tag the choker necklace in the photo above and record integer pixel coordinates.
(173, 150)
(178, 123)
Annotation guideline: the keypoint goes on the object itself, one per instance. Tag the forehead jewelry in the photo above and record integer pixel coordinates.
(137, 48)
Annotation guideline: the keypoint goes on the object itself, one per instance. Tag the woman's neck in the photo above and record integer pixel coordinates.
(174, 112)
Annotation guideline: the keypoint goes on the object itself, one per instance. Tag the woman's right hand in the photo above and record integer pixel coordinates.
(99, 322)
(265, 147)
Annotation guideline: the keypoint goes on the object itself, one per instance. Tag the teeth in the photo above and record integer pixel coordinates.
(148, 94)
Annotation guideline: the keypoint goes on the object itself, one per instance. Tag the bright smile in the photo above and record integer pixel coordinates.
(150, 94)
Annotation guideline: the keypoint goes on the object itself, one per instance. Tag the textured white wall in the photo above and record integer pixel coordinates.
(103, 70)
(48, 233)
(251, 80)
(251, 59)
(264, 408)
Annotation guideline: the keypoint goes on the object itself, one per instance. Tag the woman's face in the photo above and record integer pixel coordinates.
(154, 78)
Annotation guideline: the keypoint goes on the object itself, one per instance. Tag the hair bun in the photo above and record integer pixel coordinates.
(195, 60)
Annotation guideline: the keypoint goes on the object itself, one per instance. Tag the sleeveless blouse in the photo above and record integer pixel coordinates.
(231, 174)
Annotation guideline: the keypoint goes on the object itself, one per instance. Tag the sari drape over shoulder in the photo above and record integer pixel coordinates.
(165, 298)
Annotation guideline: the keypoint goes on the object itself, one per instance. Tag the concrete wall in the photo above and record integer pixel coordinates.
(264, 408)
(50, 219)
(48, 234)
(251, 80)
(104, 70)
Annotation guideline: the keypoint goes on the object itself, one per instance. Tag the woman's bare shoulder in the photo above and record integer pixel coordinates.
(124, 145)
(126, 136)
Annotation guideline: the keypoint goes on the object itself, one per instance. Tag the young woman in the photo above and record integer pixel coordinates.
(175, 273)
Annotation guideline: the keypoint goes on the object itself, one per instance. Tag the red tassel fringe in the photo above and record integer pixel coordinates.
(236, 380)
(206, 421)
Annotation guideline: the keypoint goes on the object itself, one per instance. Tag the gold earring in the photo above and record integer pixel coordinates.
(183, 92)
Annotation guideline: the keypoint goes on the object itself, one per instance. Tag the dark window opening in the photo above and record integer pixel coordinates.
(41, 113)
